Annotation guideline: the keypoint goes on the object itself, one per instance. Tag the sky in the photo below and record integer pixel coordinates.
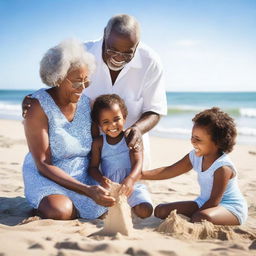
(204, 45)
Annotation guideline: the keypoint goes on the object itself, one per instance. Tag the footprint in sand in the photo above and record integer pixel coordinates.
(132, 251)
(36, 246)
(253, 245)
(107, 248)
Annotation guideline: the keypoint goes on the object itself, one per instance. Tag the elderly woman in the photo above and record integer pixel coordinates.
(58, 132)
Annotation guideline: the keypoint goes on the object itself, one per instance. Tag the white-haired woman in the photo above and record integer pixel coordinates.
(58, 132)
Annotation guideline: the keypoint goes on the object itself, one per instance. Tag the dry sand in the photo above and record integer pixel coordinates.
(176, 236)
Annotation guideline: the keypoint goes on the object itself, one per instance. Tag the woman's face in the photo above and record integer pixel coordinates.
(74, 83)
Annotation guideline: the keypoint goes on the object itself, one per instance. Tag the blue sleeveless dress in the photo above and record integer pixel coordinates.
(232, 198)
(116, 165)
(70, 144)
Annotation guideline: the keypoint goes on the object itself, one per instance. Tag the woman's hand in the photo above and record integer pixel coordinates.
(127, 186)
(105, 183)
(101, 196)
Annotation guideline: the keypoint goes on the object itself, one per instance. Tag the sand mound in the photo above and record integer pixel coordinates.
(118, 219)
(178, 226)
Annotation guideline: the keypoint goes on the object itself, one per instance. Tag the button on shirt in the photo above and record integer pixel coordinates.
(140, 83)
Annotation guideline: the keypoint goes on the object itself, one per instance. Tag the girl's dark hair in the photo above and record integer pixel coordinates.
(106, 101)
(220, 126)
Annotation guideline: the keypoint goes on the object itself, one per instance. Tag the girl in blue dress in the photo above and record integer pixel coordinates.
(220, 200)
(110, 151)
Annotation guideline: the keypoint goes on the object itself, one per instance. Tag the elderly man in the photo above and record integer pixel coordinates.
(132, 70)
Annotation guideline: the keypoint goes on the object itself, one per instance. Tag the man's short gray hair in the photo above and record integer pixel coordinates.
(123, 24)
(59, 60)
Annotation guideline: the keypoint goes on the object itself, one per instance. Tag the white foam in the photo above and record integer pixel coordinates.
(248, 112)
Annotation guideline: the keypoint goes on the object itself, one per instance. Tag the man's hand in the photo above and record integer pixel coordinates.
(101, 196)
(127, 186)
(26, 104)
(133, 138)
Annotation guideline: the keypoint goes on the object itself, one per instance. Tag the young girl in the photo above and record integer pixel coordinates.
(110, 151)
(220, 200)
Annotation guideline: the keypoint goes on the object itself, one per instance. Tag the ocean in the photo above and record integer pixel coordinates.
(182, 106)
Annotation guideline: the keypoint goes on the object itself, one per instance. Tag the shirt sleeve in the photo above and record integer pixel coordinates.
(154, 94)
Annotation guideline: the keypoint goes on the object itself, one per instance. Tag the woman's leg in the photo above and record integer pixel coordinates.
(57, 207)
(143, 210)
(218, 215)
(187, 208)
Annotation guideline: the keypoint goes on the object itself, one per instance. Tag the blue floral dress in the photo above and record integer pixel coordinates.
(70, 145)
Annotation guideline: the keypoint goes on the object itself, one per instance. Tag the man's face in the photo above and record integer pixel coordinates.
(118, 50)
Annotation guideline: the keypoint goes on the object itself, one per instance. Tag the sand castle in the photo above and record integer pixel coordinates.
(118, 219)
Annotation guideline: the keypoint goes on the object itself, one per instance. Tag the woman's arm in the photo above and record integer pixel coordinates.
(221, 178)
(95, 162)
(182, 166)
(36, 131)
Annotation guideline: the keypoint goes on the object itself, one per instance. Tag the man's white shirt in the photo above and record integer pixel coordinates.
(140, 83)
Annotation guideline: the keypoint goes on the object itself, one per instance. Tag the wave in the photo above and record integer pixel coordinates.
(189, 109)
(10, 111)
(243, 131)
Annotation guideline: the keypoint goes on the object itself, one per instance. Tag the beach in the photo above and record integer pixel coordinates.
(22, 236)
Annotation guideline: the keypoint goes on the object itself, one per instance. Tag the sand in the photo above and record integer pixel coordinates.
(175, 236)
(118, 219)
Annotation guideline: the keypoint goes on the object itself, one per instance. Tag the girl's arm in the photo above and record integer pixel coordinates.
(95, 162)
(36, 131)
(136, 164)
(135, 174)
(221, 177)
(95, 130)
(162, 173)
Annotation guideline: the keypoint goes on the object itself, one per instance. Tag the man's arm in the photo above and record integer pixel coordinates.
(154, 103)
(147, 121)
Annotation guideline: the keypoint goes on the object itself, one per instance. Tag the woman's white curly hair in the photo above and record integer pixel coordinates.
(66, 56)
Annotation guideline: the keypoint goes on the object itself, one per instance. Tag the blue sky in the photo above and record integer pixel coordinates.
(204, 45)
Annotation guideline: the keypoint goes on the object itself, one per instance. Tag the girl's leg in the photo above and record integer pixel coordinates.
(218, 215)
(57, 207)
(187, 208)
(143, 210)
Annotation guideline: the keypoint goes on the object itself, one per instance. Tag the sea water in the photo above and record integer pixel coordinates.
(182, 107)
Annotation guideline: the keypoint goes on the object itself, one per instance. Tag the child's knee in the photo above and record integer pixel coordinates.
(200, 216)
(143, 210)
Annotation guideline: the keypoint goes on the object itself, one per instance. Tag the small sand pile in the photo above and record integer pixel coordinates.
(118, 219)
(178, 226)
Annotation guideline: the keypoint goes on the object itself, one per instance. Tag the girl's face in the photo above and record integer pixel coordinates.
(111, 121)
(202, 142)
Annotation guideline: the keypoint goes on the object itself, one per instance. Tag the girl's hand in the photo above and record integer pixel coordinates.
(101, 196)
(127, 186)
(105, 183)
